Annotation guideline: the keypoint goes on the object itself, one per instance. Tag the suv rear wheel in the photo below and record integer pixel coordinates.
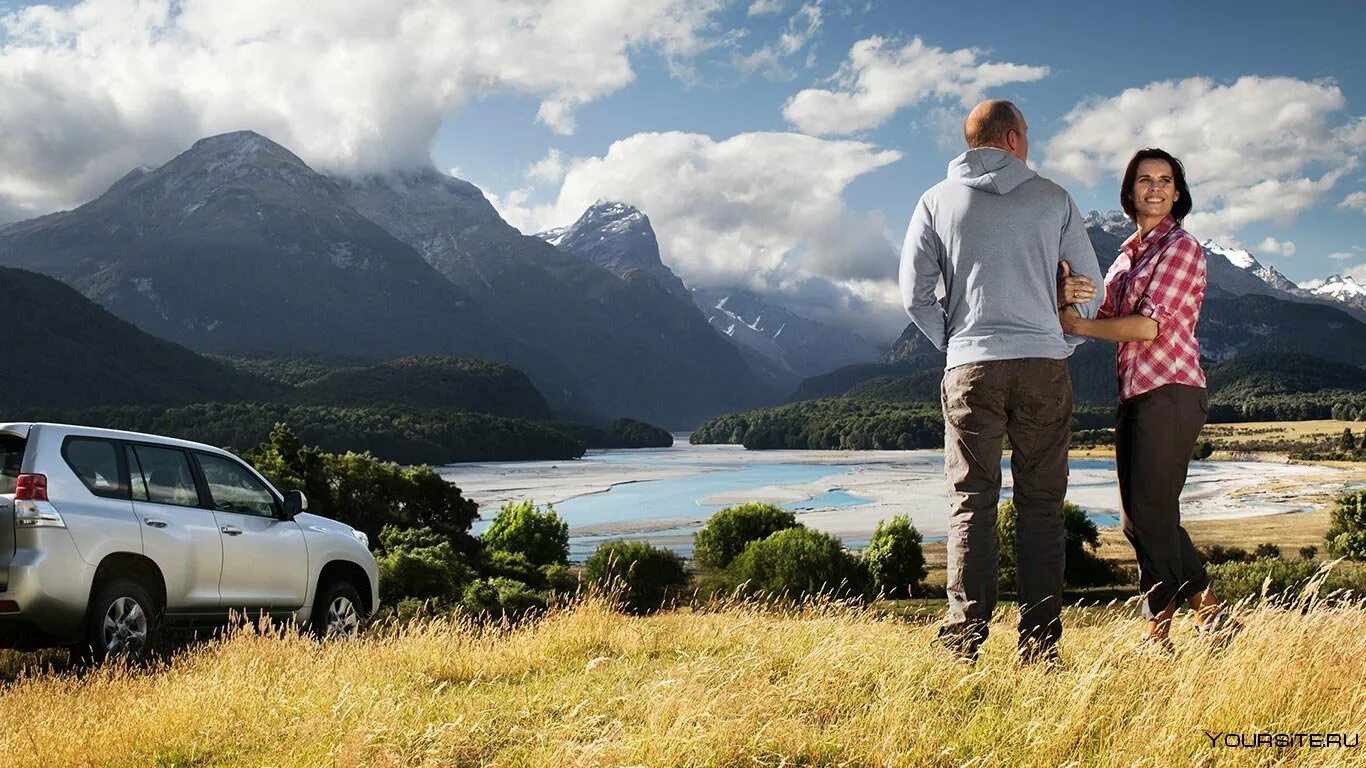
(339, 611)
(124, 623)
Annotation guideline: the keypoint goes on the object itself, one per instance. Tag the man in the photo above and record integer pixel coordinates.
(996, 234)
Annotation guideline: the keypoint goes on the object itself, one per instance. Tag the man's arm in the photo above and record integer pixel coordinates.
(1074, 247)
(921, 269)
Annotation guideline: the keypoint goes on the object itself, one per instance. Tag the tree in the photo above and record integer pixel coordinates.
(640, 575)
(1081, 538)
(894, 558)
(1348, 443)
(796, 562)
(540, 535)
(1347, 527)
(729, 531)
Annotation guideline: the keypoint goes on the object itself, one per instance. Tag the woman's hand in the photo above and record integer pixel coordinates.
(1071, 321)
(1074, 290)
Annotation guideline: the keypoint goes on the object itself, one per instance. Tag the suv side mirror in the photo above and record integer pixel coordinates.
(295, 503)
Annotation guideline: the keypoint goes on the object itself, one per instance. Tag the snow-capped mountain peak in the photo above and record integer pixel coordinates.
(1339, 287)
(1238, 257)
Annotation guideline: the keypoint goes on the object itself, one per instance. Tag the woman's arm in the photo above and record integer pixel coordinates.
(1125, 328)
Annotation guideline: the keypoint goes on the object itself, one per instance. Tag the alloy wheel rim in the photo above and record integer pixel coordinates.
(125, 627)
(342, 619)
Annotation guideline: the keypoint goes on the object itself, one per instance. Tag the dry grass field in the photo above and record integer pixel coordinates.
(740, 685)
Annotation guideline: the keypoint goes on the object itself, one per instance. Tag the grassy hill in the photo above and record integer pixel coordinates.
(452, 383)
(62, 349)
(731, 686)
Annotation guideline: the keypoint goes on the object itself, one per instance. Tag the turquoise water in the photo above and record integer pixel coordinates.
(678, 498)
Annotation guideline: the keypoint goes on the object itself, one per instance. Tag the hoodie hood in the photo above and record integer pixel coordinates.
(989, 169)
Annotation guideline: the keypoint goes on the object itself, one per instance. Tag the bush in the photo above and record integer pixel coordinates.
(798, 561)
(500, 596)
(1266, 551)
(1081, 538)
(512, 565)
(1214, 554)
(1202, 450)
(365, 492)
(642, 576)
(1235, 581)
(420, 563)
(1347, 529)
(729, 531)
(559, 578)
(542, 536)
(1309, 553)
(894, 558)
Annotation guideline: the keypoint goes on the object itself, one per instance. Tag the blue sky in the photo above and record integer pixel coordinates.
(1092, 51)
(777, 145)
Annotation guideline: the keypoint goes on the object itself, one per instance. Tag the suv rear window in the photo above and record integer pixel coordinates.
(166, 476)
(97, 463)
(11, 456)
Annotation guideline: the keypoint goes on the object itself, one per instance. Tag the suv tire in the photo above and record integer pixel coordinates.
(124, 623)
(338, 612)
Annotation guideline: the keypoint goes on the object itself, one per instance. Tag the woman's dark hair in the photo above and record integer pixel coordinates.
(1182, 204)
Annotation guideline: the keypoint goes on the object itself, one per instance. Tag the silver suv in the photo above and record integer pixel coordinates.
(108, 537)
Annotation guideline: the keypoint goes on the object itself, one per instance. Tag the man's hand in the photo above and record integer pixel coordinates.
(1071, 320)
(1074, 290)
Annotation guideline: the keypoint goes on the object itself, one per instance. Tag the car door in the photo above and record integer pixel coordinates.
(179, 531)
(265, 559)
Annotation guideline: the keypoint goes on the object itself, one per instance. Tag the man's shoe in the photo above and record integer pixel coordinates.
(1045, 656)
(963, 643)
(1220, 628)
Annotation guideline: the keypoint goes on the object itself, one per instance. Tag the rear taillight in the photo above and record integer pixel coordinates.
(31, 488)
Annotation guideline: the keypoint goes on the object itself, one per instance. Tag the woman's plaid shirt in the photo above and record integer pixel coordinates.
(1161, 276)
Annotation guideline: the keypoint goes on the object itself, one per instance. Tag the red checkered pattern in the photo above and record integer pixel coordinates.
(1162, 277)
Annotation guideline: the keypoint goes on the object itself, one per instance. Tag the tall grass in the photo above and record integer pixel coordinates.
(737, 684)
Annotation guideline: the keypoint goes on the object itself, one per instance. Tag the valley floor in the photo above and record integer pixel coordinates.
(736, 686)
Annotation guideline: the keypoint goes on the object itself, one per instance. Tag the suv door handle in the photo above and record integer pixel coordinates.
(156, 523)
(231, 531)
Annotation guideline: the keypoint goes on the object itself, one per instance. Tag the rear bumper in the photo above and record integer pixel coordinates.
(51, 585)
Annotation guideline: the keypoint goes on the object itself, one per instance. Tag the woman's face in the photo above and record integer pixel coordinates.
(1154, 189)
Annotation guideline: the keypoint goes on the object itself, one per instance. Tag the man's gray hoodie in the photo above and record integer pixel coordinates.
(995, 232)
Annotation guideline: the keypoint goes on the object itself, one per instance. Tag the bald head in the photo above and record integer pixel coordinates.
(996, 123)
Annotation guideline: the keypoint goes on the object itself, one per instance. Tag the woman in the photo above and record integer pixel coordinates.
(1152, 304)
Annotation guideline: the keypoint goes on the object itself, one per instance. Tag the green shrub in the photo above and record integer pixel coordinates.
(420, 563)
(560, 578)
(1347, 528)
(1266, 551)
(365, 492)
(501, 596)
(1235, 581)
(1202, 450)
(512, 565)
(894, 558)
(1214, 554)
(796, 562)
(640, 575)
(540, 535)
(1081, 539)
(1309, 553)
(729, 531)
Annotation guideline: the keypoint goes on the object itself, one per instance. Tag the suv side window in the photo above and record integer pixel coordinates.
(234, 488)
(167, 477)
(96, 463)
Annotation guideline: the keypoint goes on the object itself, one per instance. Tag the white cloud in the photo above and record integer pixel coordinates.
(768, 59)
(93, 89)
(1355, 202)
(1357, 273)
(549, 168)
(759, 210)
(1342, 256)
(1257, 149)
(766, 7)
(879, 78)
(1276, 247)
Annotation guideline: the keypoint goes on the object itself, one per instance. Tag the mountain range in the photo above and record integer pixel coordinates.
(780, 346)
(237, 247)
